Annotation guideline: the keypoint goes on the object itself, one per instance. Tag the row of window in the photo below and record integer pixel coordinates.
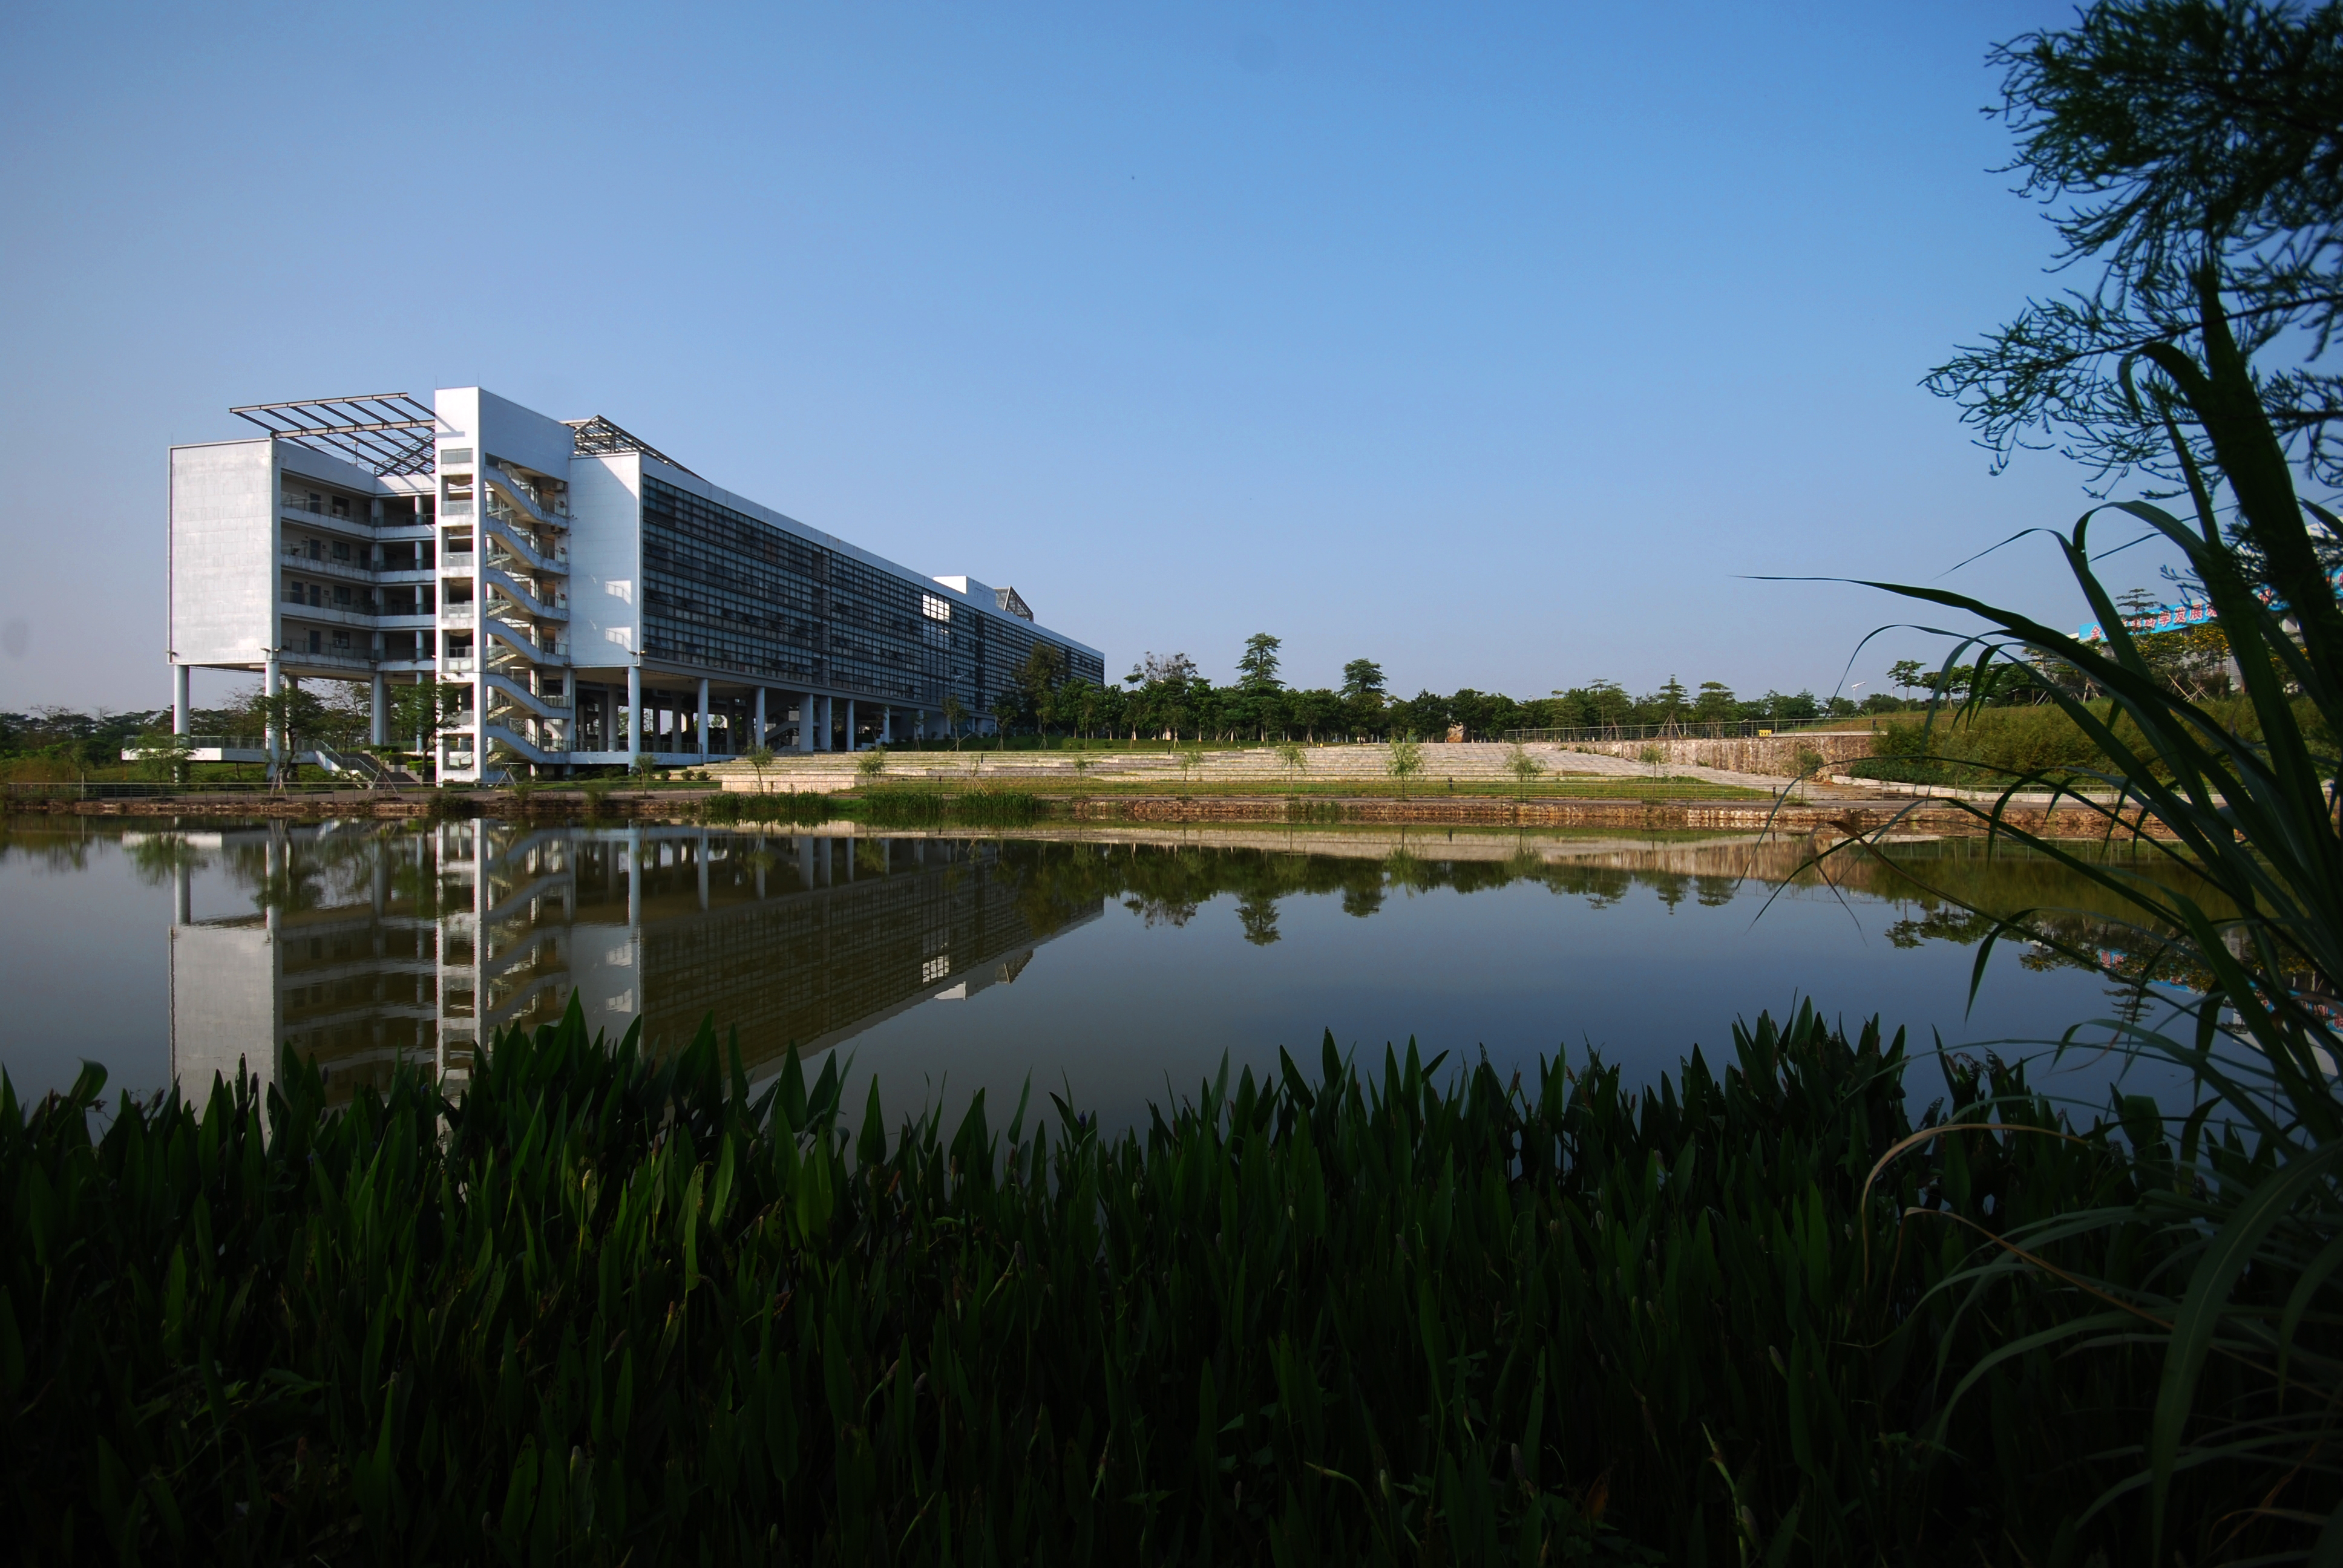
(358, 600)
(722, 588)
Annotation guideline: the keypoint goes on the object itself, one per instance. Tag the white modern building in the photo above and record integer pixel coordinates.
(598, 600)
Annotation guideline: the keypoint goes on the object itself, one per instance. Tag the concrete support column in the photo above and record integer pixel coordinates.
(182, 715)
(699, 858)
(635, 883)
(850, 724)
(271, 682)
(758, 725)
(805, 721)
(805, 862)
(182, 891)
(821, 724)
(634, 721)
(703, 719)
(887, 726)
(379, 730)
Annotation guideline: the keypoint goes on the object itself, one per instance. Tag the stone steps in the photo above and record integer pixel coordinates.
(1466, 762)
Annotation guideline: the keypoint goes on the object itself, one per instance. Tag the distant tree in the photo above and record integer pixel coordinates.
(1257, 667)
(1670, 700)
(1525, 768)
(420, 711)
(1037, 681)
(1362, 677)
(1406, 760)
(1317, 713)
(1716, 702)
(758, 758)
(1425, 713)
(1598, 702)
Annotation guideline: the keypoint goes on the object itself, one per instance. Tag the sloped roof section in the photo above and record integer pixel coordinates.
(389, 432)
(598, 437)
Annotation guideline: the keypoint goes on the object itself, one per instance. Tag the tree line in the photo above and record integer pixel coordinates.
(1166, 696)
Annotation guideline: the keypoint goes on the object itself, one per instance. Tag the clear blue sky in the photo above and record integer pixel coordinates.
(1501, 345)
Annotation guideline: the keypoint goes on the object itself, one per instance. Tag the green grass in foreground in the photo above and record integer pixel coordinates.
(602, 1308)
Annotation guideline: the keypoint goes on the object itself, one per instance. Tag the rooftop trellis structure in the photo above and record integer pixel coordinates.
(388, 432)
(598, 437)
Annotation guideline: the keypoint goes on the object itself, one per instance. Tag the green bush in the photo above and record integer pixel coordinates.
(599, 1307)
(805, 808)
(912, 806)
(1978, 746)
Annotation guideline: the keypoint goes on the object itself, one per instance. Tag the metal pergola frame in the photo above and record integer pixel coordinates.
(391, 433)
(598, 437)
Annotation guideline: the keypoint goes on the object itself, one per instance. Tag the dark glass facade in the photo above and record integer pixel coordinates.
(726, 590)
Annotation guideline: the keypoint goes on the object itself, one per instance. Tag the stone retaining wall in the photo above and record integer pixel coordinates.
(1774, 755)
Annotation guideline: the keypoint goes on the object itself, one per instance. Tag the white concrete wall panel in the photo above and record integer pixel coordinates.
(606, 562)
(223, 552)
(496, 426)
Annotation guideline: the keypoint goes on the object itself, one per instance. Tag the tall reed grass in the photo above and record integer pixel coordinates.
(599, 1307)
(2243, 890)
(914, 806)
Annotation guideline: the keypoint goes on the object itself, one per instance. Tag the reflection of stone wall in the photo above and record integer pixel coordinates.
(222, 1004)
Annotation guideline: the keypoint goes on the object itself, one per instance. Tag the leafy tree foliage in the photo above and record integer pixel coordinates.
(2172, 142)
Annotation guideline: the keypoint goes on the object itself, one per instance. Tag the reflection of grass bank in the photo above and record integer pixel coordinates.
(628, 1310)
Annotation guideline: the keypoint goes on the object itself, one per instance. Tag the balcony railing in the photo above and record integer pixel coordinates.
(350, 511)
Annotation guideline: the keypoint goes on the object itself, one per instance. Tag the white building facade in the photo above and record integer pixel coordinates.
(595, 601)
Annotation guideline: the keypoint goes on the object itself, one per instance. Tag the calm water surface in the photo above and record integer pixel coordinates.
(1118, 965)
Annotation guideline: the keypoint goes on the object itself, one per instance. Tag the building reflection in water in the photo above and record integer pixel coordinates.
(370, 949)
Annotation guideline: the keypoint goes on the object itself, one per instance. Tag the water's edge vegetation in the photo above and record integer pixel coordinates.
(599, 1307)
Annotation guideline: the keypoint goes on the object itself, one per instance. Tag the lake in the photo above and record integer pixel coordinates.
(1114, 966)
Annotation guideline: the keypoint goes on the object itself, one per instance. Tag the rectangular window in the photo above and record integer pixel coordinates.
(456, 497)
(317, 642)
(316, 502)
(459, 646)
(341, 505)
(292, 592)
(455, 455)
(341, 642)
(317, 596)
(341, 598)
(935, 609)
(341, 549)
